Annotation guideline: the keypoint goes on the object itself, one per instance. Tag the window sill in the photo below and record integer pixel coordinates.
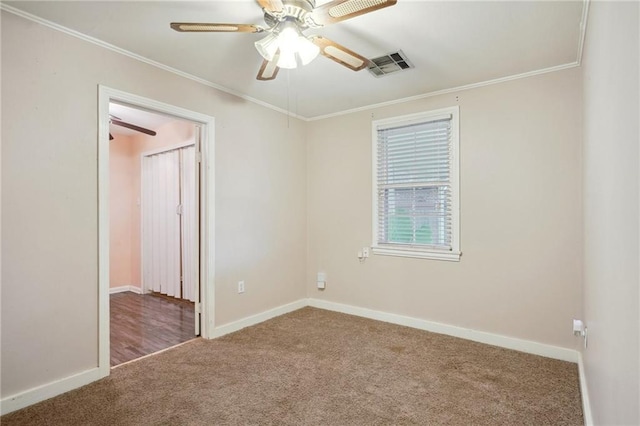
(420, 254)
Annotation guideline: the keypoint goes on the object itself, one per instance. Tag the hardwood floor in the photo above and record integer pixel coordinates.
(144, 324)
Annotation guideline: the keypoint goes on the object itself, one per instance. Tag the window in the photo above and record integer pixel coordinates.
(415, 181)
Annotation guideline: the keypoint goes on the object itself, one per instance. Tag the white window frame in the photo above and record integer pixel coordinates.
(416, 251)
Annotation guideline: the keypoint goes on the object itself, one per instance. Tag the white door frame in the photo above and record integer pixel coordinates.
(207, 210)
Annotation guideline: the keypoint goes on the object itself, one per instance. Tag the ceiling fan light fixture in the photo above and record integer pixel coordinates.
(301, 51)
(287, 59)
(292, 45)
(288, 34)
(268, 46)
(307, 51)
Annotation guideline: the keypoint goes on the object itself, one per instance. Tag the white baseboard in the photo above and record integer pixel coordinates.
(49, 390)
(527, 346)
(258, 318)
(124, 288)
(584, 393)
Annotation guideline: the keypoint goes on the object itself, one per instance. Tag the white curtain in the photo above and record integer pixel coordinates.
(161, 221)
(189, 223)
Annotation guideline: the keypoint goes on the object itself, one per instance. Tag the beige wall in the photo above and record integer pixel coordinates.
(519, 274)
(611, 253)
(49, 198)
(121, 211)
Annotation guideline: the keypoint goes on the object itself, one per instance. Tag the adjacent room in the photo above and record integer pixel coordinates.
(320, 212)
(153, 232)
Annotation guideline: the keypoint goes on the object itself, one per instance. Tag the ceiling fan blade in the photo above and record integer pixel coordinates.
(268, 70)
(195, 27)
(339, 10)
(271, 5)
(133, 127)
(340, 54)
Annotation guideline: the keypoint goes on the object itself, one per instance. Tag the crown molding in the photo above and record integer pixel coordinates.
(141, 58)
(583, 29)
(451, 90)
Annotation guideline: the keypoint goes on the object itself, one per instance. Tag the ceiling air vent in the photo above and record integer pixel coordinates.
(389, 64)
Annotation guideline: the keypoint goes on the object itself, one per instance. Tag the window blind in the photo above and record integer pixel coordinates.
(414, 184)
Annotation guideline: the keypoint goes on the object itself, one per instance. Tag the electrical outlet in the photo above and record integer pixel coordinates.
(322, 280)
(240, 286)
(365, 252)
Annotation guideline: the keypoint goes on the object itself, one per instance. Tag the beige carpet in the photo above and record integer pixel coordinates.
(315, 367)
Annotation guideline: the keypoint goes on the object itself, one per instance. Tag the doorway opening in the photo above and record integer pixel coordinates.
(155, 227)
(154, 283)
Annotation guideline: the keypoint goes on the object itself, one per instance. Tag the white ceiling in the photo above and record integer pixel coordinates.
(451, 44)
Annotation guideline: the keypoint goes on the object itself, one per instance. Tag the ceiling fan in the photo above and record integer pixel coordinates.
(285, 45)
(117, 121)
